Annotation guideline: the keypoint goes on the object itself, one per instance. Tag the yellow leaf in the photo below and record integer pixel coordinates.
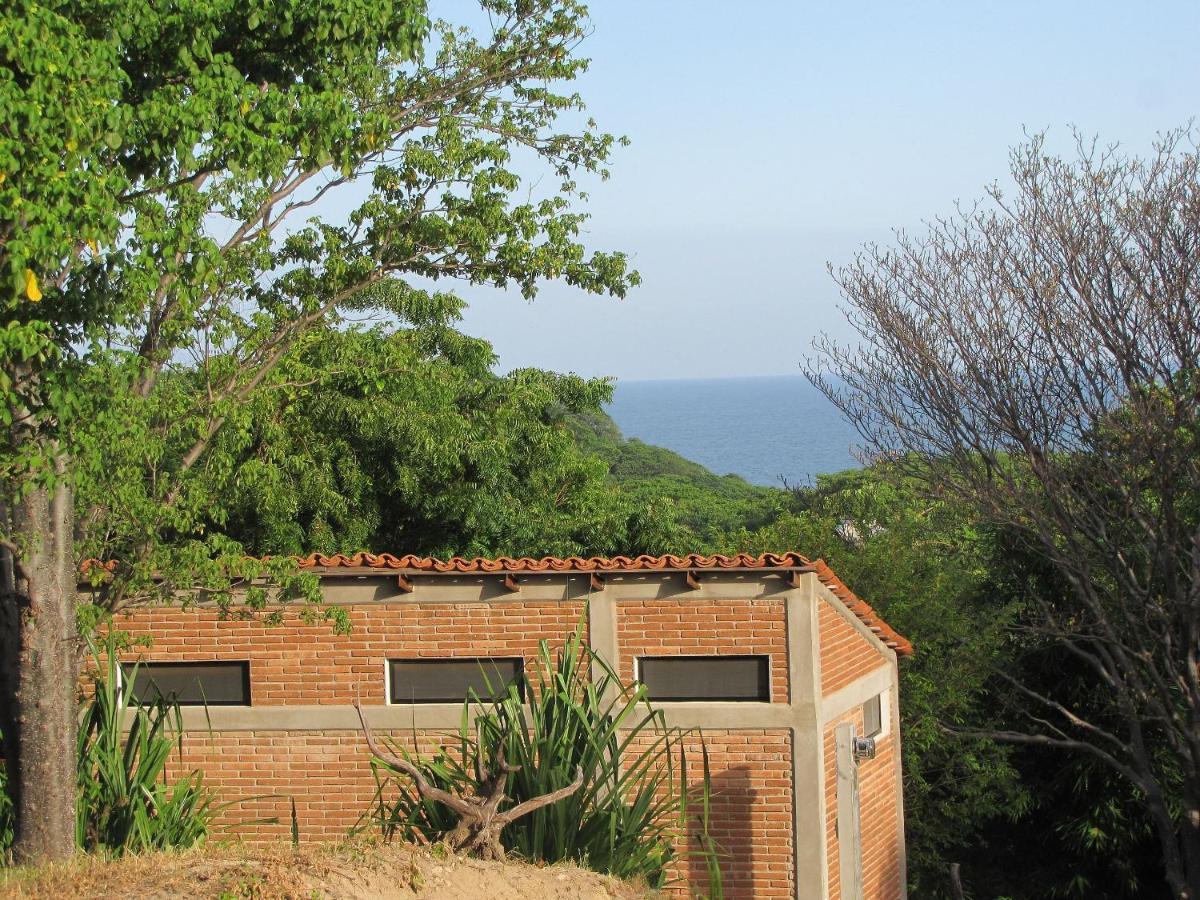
(32, 291)
(91, 242)
(2, 178)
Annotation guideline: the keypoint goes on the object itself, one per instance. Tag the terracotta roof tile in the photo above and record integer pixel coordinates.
(556, 564)
(645, 563)
(862, 609)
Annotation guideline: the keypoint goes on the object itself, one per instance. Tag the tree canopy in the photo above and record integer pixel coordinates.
(166, 176)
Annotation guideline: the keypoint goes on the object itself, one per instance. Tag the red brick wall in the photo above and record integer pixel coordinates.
(309, 664)
(879, 812)
(327, 773)
(751, 813)
(696, 628)
(846, 655)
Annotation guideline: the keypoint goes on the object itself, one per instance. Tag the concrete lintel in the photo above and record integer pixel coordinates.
(422, 716)
(726, 716)
(383, 586)
(447, 716)
(549, 587)
(857, 693)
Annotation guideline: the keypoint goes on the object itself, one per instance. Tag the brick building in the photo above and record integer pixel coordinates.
(783, 669)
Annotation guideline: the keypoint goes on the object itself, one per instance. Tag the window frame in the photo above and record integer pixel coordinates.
(148, 665)
(884, 729)
(764, 675)
(390, 698)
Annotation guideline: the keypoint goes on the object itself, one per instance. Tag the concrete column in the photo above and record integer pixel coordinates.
(848, 829)
(602, 631)
(808, 772)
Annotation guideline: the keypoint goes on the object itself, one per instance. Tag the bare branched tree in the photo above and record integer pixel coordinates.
(1037, 356)
(480, 820)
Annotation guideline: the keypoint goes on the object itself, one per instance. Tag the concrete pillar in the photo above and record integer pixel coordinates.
(808, 772)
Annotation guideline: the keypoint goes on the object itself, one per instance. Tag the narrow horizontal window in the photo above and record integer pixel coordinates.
(873, 716)
(454, 680)
(220, 683)
(706, 677)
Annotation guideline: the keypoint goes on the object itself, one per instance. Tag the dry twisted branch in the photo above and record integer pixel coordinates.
(480, 822)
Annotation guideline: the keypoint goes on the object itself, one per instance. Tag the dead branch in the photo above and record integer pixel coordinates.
(480, 821)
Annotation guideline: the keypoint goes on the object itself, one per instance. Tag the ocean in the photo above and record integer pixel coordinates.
(759, 428)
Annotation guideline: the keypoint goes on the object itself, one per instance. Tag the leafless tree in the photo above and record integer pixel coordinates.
(480, 820)
(1037, 355)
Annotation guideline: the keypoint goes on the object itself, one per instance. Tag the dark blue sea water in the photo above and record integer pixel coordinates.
(759, 428)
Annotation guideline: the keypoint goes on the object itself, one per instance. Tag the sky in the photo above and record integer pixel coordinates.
(770, 139)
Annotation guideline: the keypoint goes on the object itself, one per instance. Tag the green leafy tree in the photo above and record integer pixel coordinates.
(156, 166)
(404, 440)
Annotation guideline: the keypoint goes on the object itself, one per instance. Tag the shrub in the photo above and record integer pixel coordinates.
(632, 814)
(126, 804)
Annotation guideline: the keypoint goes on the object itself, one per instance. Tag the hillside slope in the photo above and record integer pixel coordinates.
(709, 506)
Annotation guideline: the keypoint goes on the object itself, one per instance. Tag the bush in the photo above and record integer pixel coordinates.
(632, 814)
(126, 804)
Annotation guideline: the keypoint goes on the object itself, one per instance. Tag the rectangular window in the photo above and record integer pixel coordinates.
(744, 678)
(873, 716)
(453, 680)
(190, 683)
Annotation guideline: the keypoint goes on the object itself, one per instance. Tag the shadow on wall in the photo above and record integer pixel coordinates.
(730, 827)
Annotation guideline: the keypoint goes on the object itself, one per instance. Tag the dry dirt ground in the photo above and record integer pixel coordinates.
(351, 872)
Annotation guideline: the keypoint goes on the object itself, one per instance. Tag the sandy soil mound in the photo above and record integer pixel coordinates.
(351, 872)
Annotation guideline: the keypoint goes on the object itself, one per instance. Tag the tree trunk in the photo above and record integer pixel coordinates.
(1180, 842)
(39, 671)
(1190, 843)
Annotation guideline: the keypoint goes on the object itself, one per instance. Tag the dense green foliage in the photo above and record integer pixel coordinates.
(405, 440)
(634, 812)
(212, 422)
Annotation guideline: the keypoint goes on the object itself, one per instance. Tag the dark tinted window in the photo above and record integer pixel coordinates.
(705, 677)
(190, 684)
(452, 680)
(873, 716)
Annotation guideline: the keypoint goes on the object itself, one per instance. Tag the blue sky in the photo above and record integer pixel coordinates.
(769, 138)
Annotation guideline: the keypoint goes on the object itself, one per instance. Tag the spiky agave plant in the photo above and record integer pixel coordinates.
(126, 802)
(633, 814)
